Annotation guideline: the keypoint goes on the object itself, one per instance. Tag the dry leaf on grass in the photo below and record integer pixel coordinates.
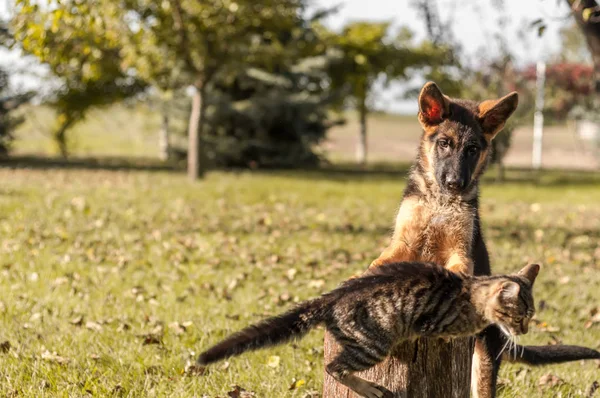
(150, 338)
(593, 388)
(239, 392)
(594, 318)
(192, 368)
(273, 361)
(5, 346)
(296, 384)
(549, 381)
(54, 357)
(95, 326)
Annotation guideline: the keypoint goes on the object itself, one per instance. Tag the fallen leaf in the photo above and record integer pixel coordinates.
(544, 327)
(239, 392)
(150, 338)
(5, 346)
(77, 321)
(291, 273)
(297, 384)
(594, 319)
(273, 361)
(593, 388)
(283, 298)
(177, 328)
(316, 283)
(123, 327)
(54, 357)
(95, 326)
(549, 381)
(192, 368)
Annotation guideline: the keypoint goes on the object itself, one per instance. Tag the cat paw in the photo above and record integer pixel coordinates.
(373, 390)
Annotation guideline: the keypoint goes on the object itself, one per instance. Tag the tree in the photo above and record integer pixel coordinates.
(9, 103)
(82, 50)
(370, 54)
(573, 46)
(9, 100)
(587, 16)
(201, 38)
(269, 119)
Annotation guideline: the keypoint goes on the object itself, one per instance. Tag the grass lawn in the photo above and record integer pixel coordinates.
(112, 281)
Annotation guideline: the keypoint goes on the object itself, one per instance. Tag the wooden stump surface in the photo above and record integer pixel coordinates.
(428, 368)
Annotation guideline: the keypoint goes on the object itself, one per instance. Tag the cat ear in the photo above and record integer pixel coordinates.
(434, 107)
(509, 289)
(494, 113)
(530, 272)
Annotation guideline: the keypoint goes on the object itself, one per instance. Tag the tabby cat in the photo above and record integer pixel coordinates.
(369, 315)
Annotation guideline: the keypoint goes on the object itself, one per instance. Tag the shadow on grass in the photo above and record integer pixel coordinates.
(89, 163)
(343, 172)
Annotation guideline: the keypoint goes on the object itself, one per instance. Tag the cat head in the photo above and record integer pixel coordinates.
(511, 304)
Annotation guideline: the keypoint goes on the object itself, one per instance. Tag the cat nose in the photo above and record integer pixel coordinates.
(524, 328)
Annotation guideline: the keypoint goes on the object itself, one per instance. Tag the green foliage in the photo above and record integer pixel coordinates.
(267, 120)
(82, 47)
(492, 80)
(573, 47)
(274, 111)
(8, 104)
(370, 54)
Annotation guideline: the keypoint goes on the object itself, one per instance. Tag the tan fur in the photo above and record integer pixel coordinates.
(429, 231)
(487, 107)
(479, 372)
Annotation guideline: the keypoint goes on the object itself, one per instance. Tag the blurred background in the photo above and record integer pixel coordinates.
(298, 119)
(290, 83)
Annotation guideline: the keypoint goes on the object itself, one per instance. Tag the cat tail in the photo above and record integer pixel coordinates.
(548, 354)
(272, 331)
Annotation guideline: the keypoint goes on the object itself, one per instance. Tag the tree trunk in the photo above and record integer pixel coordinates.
(589, 22)
(64, 122)
(163, 138)
(427, 368)
(195, 164)
(361, 145)
(501, 174)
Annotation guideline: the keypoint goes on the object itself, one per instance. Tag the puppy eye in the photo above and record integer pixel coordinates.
(443, 144)
(472, 150)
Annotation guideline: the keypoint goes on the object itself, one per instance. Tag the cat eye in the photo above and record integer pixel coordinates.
(443, 144)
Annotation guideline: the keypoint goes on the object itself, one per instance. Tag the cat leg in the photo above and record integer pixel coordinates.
(352, 360)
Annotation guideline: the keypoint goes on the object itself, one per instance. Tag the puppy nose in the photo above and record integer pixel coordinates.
(454, 182)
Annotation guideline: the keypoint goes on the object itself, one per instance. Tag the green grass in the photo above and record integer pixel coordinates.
(92, 261)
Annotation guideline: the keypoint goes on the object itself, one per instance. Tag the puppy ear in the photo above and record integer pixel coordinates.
(433, 105)
(493, 114)
(530, 272)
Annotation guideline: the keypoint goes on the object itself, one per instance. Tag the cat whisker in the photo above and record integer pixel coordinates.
(503, 348)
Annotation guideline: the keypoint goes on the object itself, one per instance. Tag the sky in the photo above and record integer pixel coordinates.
(475, 22)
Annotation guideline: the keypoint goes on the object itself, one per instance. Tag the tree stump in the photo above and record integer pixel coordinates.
(427, 368)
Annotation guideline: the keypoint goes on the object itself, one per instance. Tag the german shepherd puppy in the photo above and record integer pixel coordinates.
(438, 220)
